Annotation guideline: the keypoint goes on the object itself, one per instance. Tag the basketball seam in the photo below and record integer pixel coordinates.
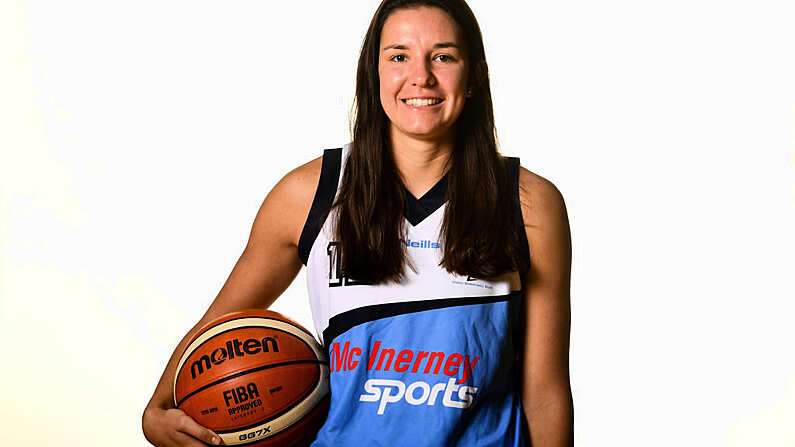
(279, 433)
(185, 358)
(242, 317)
(277, 415)
(244, 327)
(285, 418)
(248, 371)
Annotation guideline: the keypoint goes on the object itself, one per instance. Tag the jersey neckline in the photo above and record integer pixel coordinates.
(418, 210)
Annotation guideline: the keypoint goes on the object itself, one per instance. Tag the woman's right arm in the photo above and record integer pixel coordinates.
(266, 268)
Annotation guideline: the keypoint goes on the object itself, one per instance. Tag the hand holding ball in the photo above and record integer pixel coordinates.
(256, 378)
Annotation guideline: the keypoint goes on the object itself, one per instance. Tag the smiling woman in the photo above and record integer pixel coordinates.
(438, 269)
(423, 74)
(424, 117)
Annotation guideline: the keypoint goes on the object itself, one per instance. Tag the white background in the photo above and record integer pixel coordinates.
(139, 138)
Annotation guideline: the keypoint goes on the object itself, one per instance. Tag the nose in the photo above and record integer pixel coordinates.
(422, 75)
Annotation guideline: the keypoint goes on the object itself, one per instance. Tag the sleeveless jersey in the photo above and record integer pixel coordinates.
(432, 361)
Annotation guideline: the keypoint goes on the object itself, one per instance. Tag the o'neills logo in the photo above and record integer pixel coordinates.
(234, 348)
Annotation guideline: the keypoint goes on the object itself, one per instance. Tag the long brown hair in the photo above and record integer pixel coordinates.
(480, 230)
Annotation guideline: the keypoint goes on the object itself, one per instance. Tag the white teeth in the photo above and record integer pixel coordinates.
(422, 102)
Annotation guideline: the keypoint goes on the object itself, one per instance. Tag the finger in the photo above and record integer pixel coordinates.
(190, 427)
(184, 440)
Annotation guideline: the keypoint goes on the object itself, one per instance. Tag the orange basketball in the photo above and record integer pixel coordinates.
(256, 378)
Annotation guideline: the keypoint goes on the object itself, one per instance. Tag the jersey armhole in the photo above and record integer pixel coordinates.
(321, 203)
(514, 168)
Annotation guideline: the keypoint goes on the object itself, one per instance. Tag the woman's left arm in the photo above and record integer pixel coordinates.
(546, 391)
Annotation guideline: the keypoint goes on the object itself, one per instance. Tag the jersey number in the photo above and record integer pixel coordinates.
(335, 278)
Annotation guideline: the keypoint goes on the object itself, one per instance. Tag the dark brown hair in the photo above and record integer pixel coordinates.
(480, 233)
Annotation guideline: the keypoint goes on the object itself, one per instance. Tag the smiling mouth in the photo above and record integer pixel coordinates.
(422, 102)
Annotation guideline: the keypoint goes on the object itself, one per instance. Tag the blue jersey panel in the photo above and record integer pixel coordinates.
(437, 377)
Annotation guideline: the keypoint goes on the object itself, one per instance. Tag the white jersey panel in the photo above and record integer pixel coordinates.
(329, 296)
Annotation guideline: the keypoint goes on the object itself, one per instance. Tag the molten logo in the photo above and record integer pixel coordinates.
(233, 348)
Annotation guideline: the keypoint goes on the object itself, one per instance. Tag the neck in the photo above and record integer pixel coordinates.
(420, 163)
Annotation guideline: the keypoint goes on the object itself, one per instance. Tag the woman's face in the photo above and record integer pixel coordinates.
(423, 73)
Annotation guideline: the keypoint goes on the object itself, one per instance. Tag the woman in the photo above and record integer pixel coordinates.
(446, 316)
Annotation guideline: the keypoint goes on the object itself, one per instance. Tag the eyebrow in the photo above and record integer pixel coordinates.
(438, 45)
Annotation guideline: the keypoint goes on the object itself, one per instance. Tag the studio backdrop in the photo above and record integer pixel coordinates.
(138, 139)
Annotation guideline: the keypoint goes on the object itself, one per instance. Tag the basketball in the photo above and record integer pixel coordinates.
(256, 378)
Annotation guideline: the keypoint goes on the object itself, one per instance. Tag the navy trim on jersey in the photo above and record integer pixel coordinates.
(519, 324)
(324, 198)
(341, 323)
(513, 171)
(418, 209)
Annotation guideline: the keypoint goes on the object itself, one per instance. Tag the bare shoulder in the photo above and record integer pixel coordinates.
(286, 207)
(546, 225)
(270, 261)
(540, 199)
(300, 183)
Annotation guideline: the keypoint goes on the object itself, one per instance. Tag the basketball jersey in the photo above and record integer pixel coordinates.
(431, 361)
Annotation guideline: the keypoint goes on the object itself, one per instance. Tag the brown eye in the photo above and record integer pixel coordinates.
(395, 58)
